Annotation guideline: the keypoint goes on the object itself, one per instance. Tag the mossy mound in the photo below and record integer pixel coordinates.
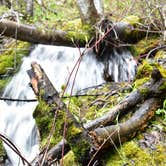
(10, 60)
(45, 120)
(145, 45)
(130, 153)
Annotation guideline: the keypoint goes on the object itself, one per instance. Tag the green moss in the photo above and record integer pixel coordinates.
(3, 9)
(2, 150)
(163, 86)
(144, 70)
(161, 69)
(160, 54)
(132, 20)
(131, 154)
(78, 141)
(144, 91)
(69, 159)
(12, 57)
(10, 61)
(144, 45)
(139, 82)
(44, 117)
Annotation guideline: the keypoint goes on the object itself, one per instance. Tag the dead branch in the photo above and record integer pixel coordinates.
(123, 131)
(149, 89)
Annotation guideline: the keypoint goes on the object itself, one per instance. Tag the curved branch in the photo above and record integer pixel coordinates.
(109, 135)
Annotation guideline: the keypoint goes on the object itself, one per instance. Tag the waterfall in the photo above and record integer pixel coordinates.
(16, 118)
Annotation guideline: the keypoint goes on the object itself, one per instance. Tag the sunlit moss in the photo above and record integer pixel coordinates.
(44, 117)
(139, 82)
(144, 70)
(132, 20)
(69, 159)
(145, 45)
(131, 154)
(2, 150)
(10, 60)
(160, 54)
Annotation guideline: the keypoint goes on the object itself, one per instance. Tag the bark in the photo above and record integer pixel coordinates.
(88, 11)
(110, 135)
(56, 151)
(149, 89)
(54, 154)
(124, 32)
(29, 7)
(6, 2)
(34, 35)
(76, 137)
(164, 20)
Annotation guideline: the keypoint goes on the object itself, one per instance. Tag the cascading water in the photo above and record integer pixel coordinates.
(16, 118)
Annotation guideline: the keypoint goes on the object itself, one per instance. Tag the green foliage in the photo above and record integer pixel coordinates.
(162, 111)
(3, 9)
(160, 54)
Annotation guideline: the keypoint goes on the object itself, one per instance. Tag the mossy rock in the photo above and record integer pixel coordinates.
(144, 70)
(10, 60)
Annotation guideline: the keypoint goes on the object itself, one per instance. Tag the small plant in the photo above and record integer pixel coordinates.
(162, 111)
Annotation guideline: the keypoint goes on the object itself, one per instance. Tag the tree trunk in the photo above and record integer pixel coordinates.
(29, 7)
(88, 11)
(29, 33)
(34, 35)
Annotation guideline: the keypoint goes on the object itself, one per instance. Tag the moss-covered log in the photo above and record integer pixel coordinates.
(121, 132)
(32, 34)
(124, 31)
(155, 87)
(75, 135)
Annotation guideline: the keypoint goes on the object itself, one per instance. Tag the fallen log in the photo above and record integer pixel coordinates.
(35, 35)
(116, 134)
(125, 32)
(54, 154)
(153, 88)
(75, 135)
